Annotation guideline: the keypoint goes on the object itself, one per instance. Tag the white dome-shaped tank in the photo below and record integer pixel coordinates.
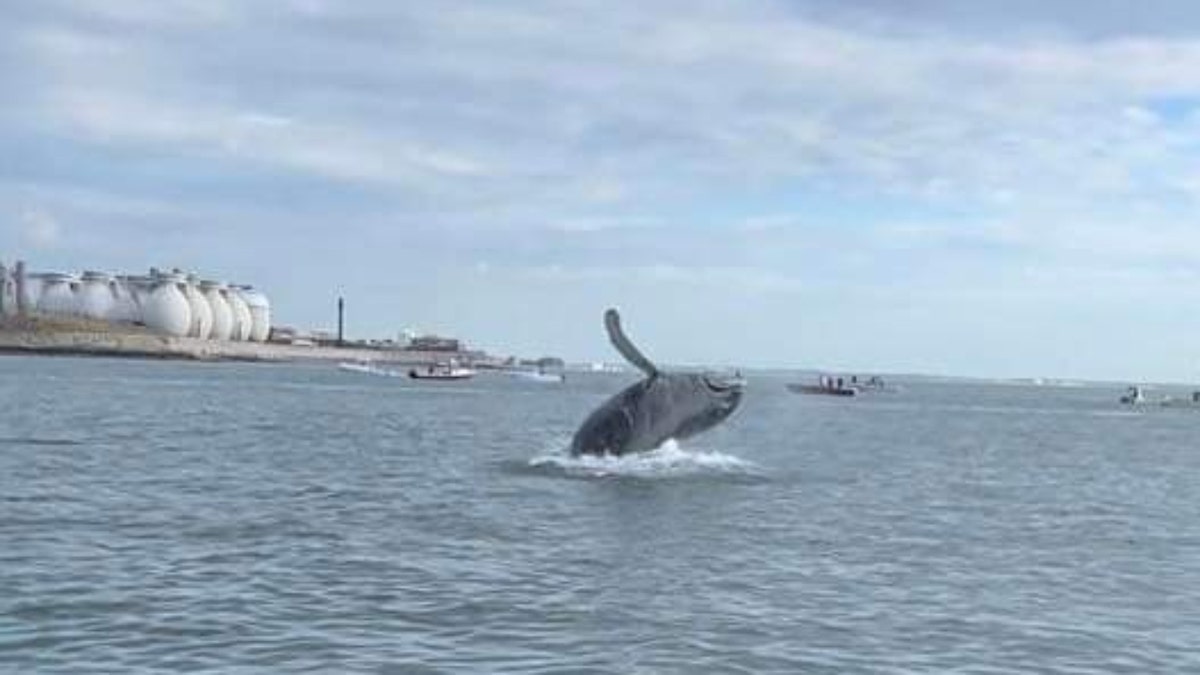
(202, 318)
(123, 303)
(96, 298)
(58, 294)
(166, 310)
(260, 313)
(131, 292)
(8, 291)
(222, 316)
(31, 290)
(243, 321)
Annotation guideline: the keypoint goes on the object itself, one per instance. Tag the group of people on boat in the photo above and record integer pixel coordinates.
(443, 370)
(841, 383)
(829, 382)
(831, 385)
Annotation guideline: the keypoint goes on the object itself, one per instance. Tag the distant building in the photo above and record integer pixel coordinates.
(324, 338)
(287, 335)
(283, 334)
(434, 343)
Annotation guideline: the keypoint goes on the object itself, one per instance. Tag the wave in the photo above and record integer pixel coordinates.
(669, 460)
(33, 440)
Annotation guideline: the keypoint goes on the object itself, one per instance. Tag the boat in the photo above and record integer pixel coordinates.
(441, 371)
(367, 368)
(538, 376)
(1133, 396)
(820, 389)
(828, 385)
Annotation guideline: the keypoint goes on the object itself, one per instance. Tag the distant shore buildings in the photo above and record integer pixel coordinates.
(179, 304)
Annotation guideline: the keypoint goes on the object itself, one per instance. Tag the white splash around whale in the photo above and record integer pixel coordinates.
(667, 460)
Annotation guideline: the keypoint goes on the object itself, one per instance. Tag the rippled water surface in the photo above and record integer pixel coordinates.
(249, 518)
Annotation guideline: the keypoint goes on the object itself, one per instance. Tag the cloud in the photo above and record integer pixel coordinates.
(40, 229)
(329, 151)
(727, 278)
(721, 96)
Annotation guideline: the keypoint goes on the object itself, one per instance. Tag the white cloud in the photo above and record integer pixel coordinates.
(40, 229)
(330, 151)
(596, 224)
(729, 279)
(714, 98)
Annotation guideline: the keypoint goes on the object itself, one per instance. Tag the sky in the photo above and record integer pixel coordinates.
(1004, 189)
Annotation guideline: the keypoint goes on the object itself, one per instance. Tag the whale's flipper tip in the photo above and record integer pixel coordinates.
(612, 323)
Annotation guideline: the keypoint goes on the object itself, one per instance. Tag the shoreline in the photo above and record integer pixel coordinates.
(43, 339)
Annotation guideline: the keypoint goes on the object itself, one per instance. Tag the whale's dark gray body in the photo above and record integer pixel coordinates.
(661, 406)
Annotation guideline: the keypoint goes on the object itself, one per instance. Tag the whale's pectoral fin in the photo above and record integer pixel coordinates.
(612, 323)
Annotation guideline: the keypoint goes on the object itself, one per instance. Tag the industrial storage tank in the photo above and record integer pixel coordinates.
(171, 303)
(134, 292)
(57, 297)
(125, 304)
(31, 291)
(8, 291)
(243, 322)
(222, 316)
(96, 298)
(202, 318)
(260, 313)
(166, 309)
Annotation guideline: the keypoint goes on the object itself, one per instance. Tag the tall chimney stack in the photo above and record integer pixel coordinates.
(19, 274)
(341, 321)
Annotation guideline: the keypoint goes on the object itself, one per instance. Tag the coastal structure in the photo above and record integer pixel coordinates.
(175, 315)
(168, 303)
(435, 343)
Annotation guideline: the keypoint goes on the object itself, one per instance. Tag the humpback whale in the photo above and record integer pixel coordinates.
(663, 405)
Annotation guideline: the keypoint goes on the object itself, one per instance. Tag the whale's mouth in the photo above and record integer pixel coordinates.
(721, 385)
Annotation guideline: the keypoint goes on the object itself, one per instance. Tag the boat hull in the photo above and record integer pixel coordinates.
(368, 369)
(818, 390)
(538, 377)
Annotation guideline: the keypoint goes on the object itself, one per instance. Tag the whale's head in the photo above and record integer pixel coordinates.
(704, 400)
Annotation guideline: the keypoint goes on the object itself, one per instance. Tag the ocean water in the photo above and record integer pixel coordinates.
(161, 517)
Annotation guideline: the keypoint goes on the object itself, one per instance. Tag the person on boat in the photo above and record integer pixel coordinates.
(840, 383)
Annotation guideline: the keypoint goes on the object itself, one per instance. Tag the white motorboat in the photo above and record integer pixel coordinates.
(538, 376)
